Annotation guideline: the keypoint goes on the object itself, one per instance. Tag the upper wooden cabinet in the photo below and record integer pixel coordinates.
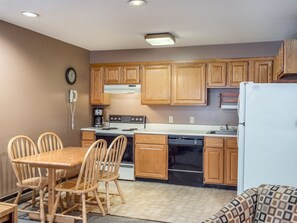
(97, 96)
(261, 71)
(121, 75)
(156, 84)
(237, 72)
(285, 62)
(188, 84)
(216, 74)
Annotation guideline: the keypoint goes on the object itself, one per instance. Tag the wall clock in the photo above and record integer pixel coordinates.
(70, 75)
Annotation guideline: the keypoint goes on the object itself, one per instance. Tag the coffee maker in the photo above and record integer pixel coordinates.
(98, 117)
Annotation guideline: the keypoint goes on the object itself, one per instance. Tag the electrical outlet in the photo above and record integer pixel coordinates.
(192, 120)
(170, 119)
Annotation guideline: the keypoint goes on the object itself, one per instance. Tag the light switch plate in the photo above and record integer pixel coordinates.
(170, 119)
(192, 120)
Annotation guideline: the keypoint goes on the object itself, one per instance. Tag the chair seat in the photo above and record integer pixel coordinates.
(69, 186)
(34, 182)
(67, 174)
(108, 176)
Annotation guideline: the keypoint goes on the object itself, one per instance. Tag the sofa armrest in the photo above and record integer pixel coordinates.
(240, 209)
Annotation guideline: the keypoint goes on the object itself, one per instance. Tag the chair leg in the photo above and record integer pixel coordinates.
(120, 191)
(42, 214)
(99, 203)
(34, 198)
(52, 217)
(107, 196)
(17, 199)
(84, 209)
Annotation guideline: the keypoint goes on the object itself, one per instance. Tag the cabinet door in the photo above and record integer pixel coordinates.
(156, 84)
(238, 72)
(130, 75)
(112, 75)
(97, 97)
(213, 165)
(151, 161)
(231, 167)
(290, 57)
(216, 75)
(188, 87)
(263, 72)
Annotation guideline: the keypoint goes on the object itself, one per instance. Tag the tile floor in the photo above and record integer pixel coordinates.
(169, 203)
(161, 202)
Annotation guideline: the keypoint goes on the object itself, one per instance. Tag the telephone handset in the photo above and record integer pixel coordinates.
(72, 96)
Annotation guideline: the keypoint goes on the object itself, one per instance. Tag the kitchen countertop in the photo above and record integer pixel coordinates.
(177, 129)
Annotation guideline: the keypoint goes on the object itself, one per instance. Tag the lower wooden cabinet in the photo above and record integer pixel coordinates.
(151, 156)
(87, 138)
(220, 161)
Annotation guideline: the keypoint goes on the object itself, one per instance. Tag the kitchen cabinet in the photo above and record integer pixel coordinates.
(285, 61)
(220, 161)
(87, 138)
(216, 74)
(151, 156)
(231, 161)
(213, 160)
(121, 75)
(156, 84)
(97, 96)
(188, 84)
(237, 72)
(261, 71)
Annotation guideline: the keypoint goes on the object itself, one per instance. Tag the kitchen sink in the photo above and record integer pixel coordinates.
(223, 132)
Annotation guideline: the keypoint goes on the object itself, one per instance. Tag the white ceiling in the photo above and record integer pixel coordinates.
(113, 24)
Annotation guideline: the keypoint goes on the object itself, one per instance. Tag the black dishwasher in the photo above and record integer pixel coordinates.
(185, 160)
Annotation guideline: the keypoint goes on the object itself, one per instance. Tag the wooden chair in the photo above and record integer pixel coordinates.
(27, 177)
(111, 169)
(50, 141)
(87, 181)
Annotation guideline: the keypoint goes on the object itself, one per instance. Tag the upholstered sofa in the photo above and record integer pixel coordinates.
(267, 203)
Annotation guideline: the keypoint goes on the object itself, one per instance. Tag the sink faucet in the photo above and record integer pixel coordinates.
(227, 127)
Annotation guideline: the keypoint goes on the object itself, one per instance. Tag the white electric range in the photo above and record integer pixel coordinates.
(123, 125)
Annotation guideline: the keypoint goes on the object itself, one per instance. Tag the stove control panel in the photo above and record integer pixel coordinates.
(137, 119)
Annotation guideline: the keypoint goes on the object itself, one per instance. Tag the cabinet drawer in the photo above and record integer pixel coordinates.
(151, 139)
(231, 143)
(88, 135)
(86, 143)
(213, 142)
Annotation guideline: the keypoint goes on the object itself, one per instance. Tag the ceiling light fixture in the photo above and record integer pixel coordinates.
(30, 14)
(160, 39)
(137, 2)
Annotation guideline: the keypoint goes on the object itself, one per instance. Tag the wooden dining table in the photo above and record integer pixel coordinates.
(59, 159)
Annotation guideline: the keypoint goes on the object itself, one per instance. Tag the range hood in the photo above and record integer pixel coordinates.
(122, 89)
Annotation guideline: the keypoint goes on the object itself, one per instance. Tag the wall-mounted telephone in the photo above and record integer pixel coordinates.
(72, 101)
(72, 96)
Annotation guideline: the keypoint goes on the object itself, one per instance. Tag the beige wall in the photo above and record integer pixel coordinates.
(33, 91)
(204, 115)
(212, 114)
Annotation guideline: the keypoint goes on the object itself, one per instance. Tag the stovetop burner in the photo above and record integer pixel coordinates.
(130, 129)
(109, 128)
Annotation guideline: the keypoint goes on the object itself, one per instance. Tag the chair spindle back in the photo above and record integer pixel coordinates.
(117, 149)
(93, 163)
(49, 141)
(18, 147)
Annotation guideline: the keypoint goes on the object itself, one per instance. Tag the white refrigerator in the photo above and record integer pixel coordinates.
(267, 134)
